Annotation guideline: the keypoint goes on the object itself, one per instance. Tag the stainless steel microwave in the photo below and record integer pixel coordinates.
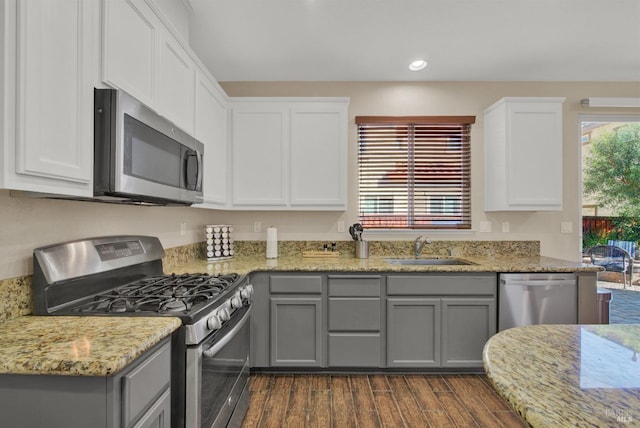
(140, 157)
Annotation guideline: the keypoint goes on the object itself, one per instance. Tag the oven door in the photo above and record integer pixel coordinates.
(218, 374)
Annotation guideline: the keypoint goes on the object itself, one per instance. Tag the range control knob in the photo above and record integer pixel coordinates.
(246, 292)
(236, 301)
(214, 323)
(223, 314)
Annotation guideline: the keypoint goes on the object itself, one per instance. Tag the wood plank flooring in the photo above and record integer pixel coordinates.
(412, 400)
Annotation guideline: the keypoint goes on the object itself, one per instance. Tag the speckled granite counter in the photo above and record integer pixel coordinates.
(568, 375)
(254, 263)
(33, 345)
(86, 346)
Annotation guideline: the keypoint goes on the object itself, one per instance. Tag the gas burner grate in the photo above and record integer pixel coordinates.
(160, 294)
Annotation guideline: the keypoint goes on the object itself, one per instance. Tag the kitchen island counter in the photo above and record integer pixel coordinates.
(78, 346)
(568, 375)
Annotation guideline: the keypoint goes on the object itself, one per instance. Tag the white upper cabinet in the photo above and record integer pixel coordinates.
(130, 48)
(289, 153)
(523, 154)
(211, 126)
(144, 56)
(49, 71)
(145, 59)
(176, 83)
(318, 151)
(260, 154)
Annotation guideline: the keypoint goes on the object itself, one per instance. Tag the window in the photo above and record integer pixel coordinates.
(414, 172)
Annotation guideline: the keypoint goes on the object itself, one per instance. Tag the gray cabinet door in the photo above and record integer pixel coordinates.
(354, 314)
(159, 415)
(296, 331)
(144, 385)
(467, 324)
(354, 349)
(413, 332)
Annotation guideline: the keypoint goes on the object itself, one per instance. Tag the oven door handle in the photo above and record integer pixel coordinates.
(215, 348)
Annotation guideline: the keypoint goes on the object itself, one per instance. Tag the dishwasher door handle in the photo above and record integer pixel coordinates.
(538, 283)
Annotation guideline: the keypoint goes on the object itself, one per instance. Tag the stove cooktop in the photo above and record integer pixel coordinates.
(162, 294)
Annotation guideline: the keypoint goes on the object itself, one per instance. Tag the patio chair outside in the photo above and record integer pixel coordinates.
(613, 259)
(628, 246)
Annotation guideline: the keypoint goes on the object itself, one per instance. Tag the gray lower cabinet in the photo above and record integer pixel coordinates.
(296, 331)
(370, 320)
(354, 321)
(139, 396)
(467, 324)
(413, 332)
(296, 321)
(439, 320)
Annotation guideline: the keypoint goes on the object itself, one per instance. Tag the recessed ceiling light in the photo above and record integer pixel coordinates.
(417, 65)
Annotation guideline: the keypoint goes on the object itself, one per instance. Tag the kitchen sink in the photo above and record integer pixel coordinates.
(429, 262)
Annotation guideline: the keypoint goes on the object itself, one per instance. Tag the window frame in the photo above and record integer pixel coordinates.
(462, 191)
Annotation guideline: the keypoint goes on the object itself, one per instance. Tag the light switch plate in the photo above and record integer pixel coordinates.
(341, 227)
(505, 226)
(257, 226)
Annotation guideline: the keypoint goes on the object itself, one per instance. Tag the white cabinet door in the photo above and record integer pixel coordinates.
(318, 155)
(260, 155)
(176, 83)
(211, 130)
(131, 35)
(289, 153)
(54, 99)
(523, 155)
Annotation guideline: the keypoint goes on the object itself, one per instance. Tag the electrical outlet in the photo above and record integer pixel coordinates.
(183, 229)
(505, 226)
(341, 227)
(257, 226)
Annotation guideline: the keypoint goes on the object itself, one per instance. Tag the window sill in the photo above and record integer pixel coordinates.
(370, 232)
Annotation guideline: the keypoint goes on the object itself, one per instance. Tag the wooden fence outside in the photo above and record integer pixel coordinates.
(599, 226)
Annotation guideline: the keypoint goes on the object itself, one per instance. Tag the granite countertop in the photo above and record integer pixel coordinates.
(258, 262)
(568, 375)
(80, 346)
(100, 346)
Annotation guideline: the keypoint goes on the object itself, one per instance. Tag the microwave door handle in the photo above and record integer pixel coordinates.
(200, 157)
(193, 162)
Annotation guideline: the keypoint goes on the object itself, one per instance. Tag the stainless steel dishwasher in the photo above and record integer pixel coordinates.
(537, 298)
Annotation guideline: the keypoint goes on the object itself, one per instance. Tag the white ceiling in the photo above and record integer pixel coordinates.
(462, 40)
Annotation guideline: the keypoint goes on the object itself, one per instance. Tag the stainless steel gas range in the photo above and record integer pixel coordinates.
(123, 276)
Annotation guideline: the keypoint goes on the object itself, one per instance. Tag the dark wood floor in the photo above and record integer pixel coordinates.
(306, 400)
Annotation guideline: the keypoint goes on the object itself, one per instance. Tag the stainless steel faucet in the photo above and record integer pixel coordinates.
(419, 244)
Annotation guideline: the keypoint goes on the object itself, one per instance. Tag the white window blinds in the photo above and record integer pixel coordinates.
(414, 172)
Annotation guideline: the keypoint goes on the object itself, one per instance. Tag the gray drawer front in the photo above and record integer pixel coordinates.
(296, 284)
(349, 314)
(142, 386)
(354, 286)
(442, 284)
(354, 350)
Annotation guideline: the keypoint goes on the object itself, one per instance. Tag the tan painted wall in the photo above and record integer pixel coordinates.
(444, 98)
(29, 223)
